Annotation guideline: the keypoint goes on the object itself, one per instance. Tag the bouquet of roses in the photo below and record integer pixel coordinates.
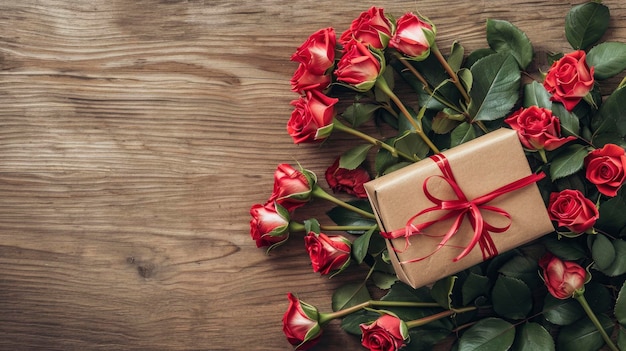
(563, 291)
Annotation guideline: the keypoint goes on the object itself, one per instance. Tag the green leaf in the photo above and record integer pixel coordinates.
(412, 144)
(383, 160)
(456, 56)
(477, 55)
(361, 245)
(620, 305)
(352, 158)
(312, 225)
(358, 113)
(403, 292)
(442, 291)
(621, 338)
(344, 217)
(609, 119)
(583, 335)
(570, 124)
(608, 59)
(585, 24)
(536, 95)
(523, 268)
(618, 267)
(612, 218)
(568, 162)
(489, 334)
(566, 249)
(503, 36)
(474, 286)
(423, 339)
(598, 297)
(532, 336)
(602, 252)
(508, 289)
(496, 87)
(462, 133)
(561, 312)
(351, 323)
(384, 281)
(349, 295)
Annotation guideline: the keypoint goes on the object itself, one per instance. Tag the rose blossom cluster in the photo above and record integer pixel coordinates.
(569, 80)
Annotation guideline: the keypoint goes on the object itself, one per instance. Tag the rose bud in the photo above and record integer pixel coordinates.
(387, 333)
(562, 278)
(358, 67)
(537, 128)
(347, 180)
(316, 57)
(372, 28)
(572, 210)
(605, 168)
(312, 118)
(292, 187)
(301, 324)
(328, 252)
(414, 37)
(569, 79)
(269, 224)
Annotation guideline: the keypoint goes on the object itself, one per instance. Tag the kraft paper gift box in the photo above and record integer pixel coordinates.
(479, 167)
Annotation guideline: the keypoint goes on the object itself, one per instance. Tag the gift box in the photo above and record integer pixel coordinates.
(449, 212)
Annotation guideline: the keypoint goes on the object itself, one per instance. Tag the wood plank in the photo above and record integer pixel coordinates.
(135, 136)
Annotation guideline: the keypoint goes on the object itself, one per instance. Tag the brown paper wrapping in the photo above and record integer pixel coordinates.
(479, 166)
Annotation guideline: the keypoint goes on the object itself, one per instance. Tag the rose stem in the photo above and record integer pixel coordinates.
(395, 152)
(440, 315)
(325, 317)
(382, 85)
(318, 192)
(455, 78)
(580, 297)
(299, 227)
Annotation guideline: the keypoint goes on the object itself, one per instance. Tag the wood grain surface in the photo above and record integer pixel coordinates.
(135, 136)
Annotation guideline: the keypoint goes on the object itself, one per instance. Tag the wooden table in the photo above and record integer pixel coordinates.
(135, 136)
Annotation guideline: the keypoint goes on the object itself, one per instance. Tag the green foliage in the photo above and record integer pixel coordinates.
(532, 336)
(568, 161)
(608, 59)
(352, 158)
(489, 334)
(585, 24)
(508, 289)
(349, 295)
(503, 36)
(583, 335)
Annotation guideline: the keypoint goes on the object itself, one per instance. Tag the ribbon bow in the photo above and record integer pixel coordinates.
(459, 208)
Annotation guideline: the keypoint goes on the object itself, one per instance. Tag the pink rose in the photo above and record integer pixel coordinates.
(387, 333)
(316, 57)
(312, 117)
(348, 180)
(562, 278)
(327, 253)
(372, 27)
(292, 188)
(605, 168)
(537, 128)
(569, 79)
(572, 210)
(269, 224)
(301, 324)
(358, 67)
(413, 36)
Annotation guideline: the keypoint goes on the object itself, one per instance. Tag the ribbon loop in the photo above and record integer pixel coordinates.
(458, 209)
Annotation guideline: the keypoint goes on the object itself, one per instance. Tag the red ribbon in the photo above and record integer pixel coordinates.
(459, 208)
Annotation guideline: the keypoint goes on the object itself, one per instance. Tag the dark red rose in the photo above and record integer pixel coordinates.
(562, 278)
(387, 333)
(347, 180)
(537, 128)
(301, 324)
(372, 28)
(327, 252)
(312, 117)
(569, 79)
(572, 210)
(605, 168)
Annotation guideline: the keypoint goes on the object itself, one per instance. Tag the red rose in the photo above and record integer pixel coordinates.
(312, 117)
(316, 56)
(349, 180)
(358, 67)
(562, 278)
(571, 209)
(605, 168)
(301, 324)
(413, 36)
(327, 253)
(387, 333)
(269, 224)
(292, 188)
(569, 79)
(537, 128)
(372, 27)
